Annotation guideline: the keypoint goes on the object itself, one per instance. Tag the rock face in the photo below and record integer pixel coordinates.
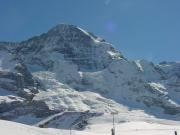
(70, 43)
(68, 68)
(17, 85)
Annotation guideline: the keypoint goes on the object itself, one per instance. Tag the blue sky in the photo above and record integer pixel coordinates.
(140, 29)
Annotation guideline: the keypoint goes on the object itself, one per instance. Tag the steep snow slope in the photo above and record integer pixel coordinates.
(124, 83)
(61, 97)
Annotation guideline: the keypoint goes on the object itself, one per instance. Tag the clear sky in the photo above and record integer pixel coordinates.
(140, 29)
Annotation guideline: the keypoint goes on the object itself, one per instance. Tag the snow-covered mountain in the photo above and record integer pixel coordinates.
(71, 73)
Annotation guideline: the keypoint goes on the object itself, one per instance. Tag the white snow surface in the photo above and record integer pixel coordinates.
(59, 96)
(128, 128)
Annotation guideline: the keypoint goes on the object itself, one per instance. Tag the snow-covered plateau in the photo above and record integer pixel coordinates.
(69, 78)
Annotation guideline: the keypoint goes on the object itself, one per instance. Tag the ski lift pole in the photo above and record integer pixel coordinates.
(70, 130)
(113, 122)
(113, 129)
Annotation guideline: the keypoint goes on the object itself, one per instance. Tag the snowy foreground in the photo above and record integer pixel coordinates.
(128, 128)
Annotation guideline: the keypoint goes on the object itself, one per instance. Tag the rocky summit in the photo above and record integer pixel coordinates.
(70, 74)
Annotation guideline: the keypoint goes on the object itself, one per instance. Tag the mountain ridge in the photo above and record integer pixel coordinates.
(70, 69)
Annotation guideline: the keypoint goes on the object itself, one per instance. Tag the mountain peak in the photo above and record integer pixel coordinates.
(63, 28)
(70, 43)
(73, 31)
